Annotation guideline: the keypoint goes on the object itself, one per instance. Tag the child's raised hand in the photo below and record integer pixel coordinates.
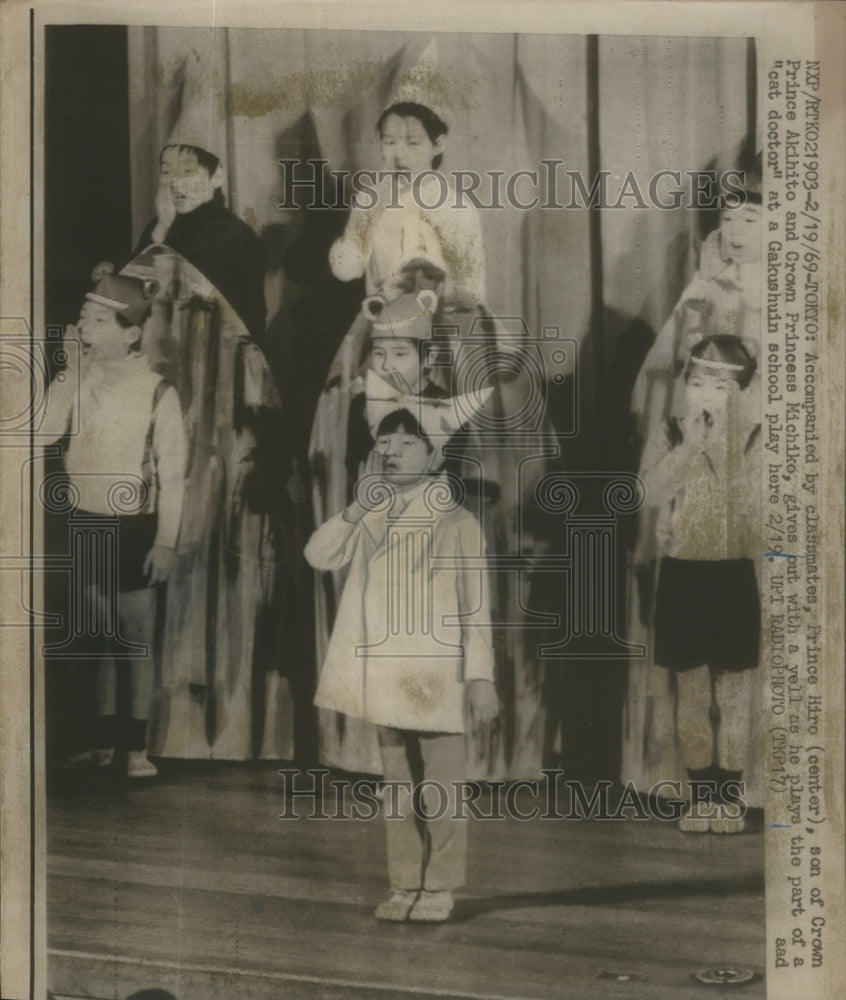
(165, 212)
(697, 427)
(398, 381)
(158, 564)
(372, 487)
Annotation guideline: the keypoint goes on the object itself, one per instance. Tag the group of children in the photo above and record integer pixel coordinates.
(411, 651)
(128, 433)
(697, 397)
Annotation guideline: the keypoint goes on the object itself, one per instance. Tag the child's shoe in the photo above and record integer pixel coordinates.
(397, 907)
(432, 907)
(101, 757)
(697, 818)
(138, 765)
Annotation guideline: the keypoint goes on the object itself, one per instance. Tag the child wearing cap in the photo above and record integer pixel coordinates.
(411, 649)
(125, 459)
(702, 473)
(399, 332)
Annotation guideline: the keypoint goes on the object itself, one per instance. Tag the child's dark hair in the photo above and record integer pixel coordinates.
(752, 184)
(405, 421)
(208, 161)
(433, 124)
(726, 351)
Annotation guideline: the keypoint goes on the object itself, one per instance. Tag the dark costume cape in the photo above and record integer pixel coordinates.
(227, 251)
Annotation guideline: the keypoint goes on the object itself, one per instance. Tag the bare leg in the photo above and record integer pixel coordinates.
(734, 691)
(696, 734)
(137, 610)
(137, 614)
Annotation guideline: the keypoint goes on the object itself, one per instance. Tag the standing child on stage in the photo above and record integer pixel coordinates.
(397, 336)
(703, 473)
(126, 446)
(722, 298)
(415, 562)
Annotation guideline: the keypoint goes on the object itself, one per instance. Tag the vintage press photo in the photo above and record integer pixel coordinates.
(422, 500)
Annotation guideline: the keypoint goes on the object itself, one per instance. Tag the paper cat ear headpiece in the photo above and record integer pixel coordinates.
(439, 418)
(409, 316)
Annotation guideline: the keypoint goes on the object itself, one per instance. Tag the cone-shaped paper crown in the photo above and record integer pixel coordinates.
(422, 82)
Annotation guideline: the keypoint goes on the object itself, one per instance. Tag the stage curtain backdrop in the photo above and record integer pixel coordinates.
(512, 101)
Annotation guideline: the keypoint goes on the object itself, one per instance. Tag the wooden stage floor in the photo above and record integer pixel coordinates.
(192, 884)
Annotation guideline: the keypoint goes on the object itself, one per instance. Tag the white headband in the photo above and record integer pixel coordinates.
(721, 365)
(103, 301)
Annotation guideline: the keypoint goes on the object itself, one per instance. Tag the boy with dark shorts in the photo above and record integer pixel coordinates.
(125, 459)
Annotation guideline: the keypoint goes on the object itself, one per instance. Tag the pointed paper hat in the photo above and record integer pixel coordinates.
(203, 102)
(199, 125)
(439, 418)
(409, 316)
(422, 81)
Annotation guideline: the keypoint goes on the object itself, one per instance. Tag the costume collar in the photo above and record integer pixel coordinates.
(412, 509)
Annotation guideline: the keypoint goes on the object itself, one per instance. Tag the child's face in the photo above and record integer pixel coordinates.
(406, 458)
(190, 184)
(397, 361)
(740, 234)
(101, 335)
(709, 391)
(405, 145)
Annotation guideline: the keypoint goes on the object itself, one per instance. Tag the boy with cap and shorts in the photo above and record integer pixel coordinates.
(125, 459)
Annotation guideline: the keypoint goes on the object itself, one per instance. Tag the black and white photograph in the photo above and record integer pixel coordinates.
(428, 578)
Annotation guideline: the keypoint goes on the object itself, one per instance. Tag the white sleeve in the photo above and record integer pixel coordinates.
(169, 453)
(333, 544)
(473, 592)
(460, 233)
(62, 394)
(663, 467)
